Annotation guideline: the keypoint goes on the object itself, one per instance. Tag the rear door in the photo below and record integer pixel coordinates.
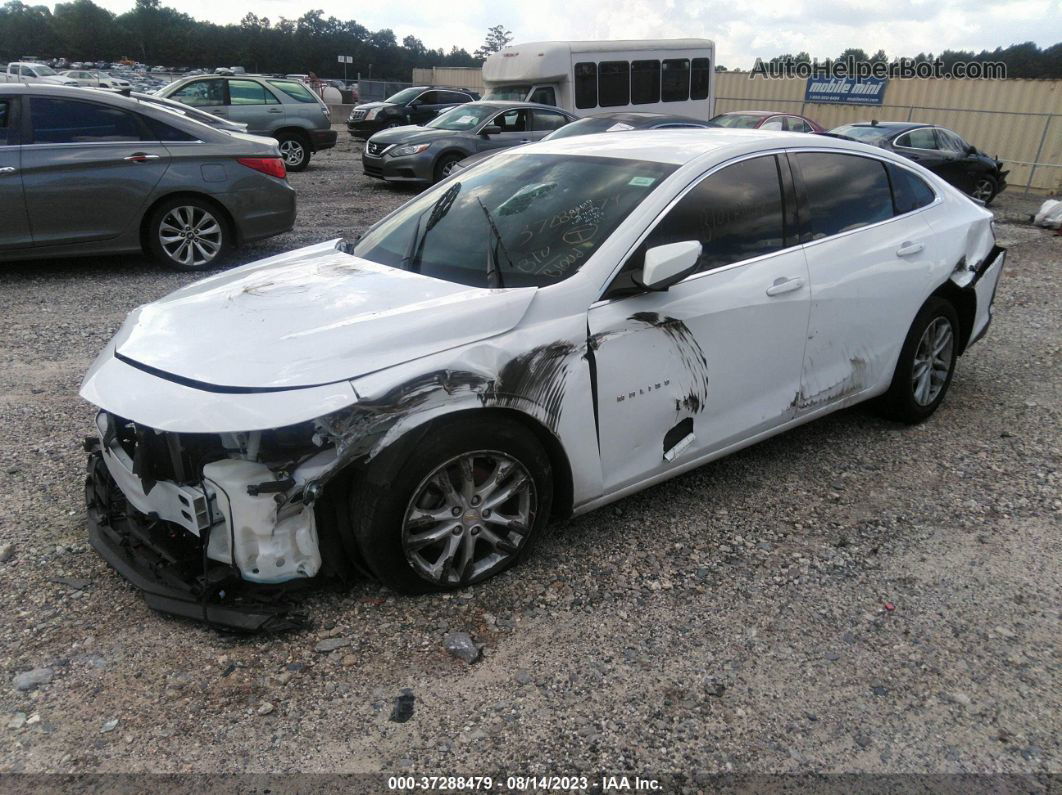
(14, 227)
(251, 103)
(89, 170)
(922, 146)
(425, 107)
(870, 261)
(546, 121)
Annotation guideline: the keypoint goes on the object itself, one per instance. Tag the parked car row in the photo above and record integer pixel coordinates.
(434, 135)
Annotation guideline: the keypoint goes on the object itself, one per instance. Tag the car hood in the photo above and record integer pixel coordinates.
(412, 134)
(374, 105)
(312, 316)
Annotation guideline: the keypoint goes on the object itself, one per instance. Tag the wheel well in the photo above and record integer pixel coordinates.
(442, 155)
(965, 303)
(226, 216)
(295, 132)
(563, 486)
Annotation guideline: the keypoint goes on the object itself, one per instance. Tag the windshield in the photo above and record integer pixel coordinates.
(865, 134)
(44, 71)
(405, 95)
(508, 93)
(463, 117)
(551, 213)
(744, 121)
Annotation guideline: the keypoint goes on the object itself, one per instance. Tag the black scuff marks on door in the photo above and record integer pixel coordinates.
(690, 355)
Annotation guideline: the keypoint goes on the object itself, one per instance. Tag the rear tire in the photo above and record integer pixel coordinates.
(295, 149)
(926, 364)
(188, 234)
(421, 525)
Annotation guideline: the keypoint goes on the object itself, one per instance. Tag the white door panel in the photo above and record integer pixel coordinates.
(866, 288)
(715, 355)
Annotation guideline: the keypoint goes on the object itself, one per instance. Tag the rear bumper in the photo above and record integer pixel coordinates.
(984, 285)
(263, 211)
(323, 139)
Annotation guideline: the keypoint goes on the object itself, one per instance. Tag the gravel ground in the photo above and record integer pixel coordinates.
(852, 596)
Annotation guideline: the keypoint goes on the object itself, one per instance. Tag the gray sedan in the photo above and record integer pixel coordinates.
(427, 154)
(86, 171)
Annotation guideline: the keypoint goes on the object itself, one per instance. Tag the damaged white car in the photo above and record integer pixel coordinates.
(545, 333)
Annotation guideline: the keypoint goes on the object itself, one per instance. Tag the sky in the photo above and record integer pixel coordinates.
(742, 31)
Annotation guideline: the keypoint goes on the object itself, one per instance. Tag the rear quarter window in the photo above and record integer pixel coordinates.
(909, 191)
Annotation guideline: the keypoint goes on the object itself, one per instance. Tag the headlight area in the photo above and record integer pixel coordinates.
(215, 527)
(406, 151)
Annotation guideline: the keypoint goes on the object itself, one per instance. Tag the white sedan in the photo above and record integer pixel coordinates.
(95, 79)
(538, 336)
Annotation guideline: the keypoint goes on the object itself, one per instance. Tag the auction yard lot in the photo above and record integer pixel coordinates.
(850, 596)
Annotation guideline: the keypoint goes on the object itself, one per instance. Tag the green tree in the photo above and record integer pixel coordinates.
(497, 37)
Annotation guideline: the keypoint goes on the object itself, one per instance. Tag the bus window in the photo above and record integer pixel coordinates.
(701, 77)
(676, 81)
(586, 85)
(645, 82)
(614, 84)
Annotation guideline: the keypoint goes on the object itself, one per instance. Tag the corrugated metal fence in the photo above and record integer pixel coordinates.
(1018, 121)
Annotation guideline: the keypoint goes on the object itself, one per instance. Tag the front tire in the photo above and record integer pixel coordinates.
(984, 188)
(445, 166)
(295, 150)
(926, 365)
(188, 234)
(460, 507)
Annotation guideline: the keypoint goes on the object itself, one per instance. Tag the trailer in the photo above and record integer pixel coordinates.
(588, 77)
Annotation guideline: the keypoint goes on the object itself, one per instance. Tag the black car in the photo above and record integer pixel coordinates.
(416, 105)
(620, 121)
(940, 150)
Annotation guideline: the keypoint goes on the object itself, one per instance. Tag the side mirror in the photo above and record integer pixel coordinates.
(489, 130)
(669, 264)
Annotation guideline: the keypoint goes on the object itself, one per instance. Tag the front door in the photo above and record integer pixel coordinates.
(514, 129)
(88, 169)
(14, 228)
(716, 358)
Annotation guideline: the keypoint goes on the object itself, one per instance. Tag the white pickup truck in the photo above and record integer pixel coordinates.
(27, 72)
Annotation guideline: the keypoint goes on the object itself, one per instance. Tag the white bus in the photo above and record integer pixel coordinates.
(588, 77)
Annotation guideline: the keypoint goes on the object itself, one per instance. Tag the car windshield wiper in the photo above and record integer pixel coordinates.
(435, 213)
(494, 242)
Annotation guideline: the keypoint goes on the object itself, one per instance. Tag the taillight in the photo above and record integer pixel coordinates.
(273, 166)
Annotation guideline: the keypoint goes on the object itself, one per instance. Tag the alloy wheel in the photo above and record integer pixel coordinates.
(983, 189)
(293, 152)
(469, 517)
(191, 236)
(932, 361)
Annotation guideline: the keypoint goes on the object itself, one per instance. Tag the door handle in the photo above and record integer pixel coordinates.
(907, 249)
(140, 157)
(8, 170)
(783, 285)
(275, 110)
(525, 140)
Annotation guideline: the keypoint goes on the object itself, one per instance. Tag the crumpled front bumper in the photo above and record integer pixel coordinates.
(170, 569)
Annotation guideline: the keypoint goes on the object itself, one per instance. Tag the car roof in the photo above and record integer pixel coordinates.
(638, 116)
(758, 113)
(682, 146)
(501, 103)
(887, 125)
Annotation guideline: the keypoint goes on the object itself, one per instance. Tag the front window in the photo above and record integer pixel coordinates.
(551, 213)
(44, 71)
(463, 118)
(514, 93)
(201, 93)
(737, 121)
(405, 96)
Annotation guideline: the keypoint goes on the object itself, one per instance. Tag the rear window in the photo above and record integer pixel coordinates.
(249, 92)
(864, 133)
(676, 80)
(586, 85)
(700, 78)
(296, 91)
(5, 114)
(844, 192)
(613, 84)
(645, 82)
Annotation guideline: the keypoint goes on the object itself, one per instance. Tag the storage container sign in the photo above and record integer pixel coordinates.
(846, 90)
